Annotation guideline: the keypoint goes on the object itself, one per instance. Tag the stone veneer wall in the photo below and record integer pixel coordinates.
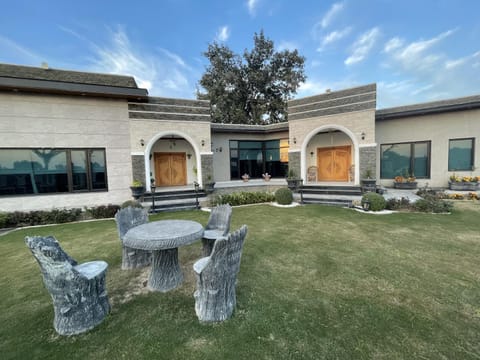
(294, 162)
(368, 160)
(138, 168)
(207, 167)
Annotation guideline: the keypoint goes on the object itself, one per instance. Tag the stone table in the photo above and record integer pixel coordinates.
(163, 238)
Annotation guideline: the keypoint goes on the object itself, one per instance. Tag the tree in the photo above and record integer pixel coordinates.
(255, 88)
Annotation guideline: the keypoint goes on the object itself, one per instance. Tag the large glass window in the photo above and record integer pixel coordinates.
(258, 157)
(405, 159)
(41, 171)
(460, 154)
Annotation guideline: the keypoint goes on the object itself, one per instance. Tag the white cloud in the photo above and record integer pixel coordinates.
(363, 45)
(432, 74)
(315, 86)
(393, 44)
(252, 7)
(287, 45)
(334, 36)
(223, 34)
(15, 53)
(334, 10)
(162, 72)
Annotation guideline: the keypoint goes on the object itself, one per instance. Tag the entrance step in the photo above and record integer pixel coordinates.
(332, 195)
(173, 200)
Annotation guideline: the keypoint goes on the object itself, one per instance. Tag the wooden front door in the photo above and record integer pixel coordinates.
(334, 163)
(170, 169)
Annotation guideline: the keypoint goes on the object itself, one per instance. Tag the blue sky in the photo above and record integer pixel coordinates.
(416, 51)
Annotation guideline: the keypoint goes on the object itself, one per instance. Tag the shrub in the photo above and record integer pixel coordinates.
(377, 201)
(397, 204)
(41, 217)
(3, 219)
(131, 203)
(431, 203)
(284, 196)
(243, 198)
(103, 211)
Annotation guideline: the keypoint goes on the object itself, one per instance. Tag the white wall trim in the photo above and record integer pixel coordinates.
(348, 132)
(137, 153)
(368, 145)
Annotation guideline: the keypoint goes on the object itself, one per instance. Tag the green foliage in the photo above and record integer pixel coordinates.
(136, 183)
(284, 196)
(244, 198)
(103, 211)
(377, 201)
(131, 203)
(433, 204)
(291, 174)
(41, 217)
(398, 204)
(251, 88)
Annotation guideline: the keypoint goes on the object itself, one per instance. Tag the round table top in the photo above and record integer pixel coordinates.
(163, 234)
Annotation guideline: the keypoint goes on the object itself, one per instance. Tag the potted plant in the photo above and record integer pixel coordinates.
(266, 176)
(465, 183)
(293, 181)
(245, 177)
(405, 182)
(137, 189)
(368, 181)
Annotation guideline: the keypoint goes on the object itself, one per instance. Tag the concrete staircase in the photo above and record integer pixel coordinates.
(330, 195)
(173, 200)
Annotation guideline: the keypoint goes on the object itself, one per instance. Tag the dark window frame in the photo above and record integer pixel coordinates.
(412, 157)
(69, 171)
(472, 153)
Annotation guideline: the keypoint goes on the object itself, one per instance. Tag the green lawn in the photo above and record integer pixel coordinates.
(315, 283)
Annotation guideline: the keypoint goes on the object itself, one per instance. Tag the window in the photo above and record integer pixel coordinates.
(258, 157)
(405, 159)
(46, 171)
(460, 154)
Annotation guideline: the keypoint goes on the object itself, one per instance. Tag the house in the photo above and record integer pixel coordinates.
(74, 139)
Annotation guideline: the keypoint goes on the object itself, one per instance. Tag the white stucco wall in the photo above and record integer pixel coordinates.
(44, 121)
(438, 129)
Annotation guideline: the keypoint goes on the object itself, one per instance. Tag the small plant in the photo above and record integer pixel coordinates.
(291, 174)
(377, 201)
(266, 176)
(131, 203)
(432, 204)
(244, 198)
(136, 183)
(368, 174)
(284, 196)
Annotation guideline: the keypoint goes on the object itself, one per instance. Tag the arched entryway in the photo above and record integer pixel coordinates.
(172, 159)
(330, 154)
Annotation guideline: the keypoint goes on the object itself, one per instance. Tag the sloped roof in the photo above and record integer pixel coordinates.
(47, 80)
(434, 107)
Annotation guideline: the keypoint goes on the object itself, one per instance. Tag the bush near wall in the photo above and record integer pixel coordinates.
(284, 196)
(243, 198)
(55, 216)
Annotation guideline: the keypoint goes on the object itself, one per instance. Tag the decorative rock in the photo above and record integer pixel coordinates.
(78, 292)
(126, 219)
(215, 297)
(218, 225)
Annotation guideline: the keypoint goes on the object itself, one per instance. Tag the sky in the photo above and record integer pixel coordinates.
(415, 51)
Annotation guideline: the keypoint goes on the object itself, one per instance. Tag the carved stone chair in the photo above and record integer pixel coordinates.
(78, 292)
(215, 297)
(126, 219)
(218, 225)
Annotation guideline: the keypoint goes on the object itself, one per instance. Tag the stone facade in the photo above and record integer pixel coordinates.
(138, 168)
(368, 160)
(207, 168)
(294, 159)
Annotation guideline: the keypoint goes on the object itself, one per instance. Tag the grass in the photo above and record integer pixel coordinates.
(315, 283)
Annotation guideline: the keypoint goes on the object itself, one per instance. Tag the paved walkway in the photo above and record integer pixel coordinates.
(399, 194)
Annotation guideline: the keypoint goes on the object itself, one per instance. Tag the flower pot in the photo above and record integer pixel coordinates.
(137, 191)
(293, 184)
(368, 185)
(209, 187)
(463, 186)
(405, 185)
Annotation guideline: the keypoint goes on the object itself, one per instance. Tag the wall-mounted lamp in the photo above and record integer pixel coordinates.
(189, 156)
(142, 142)
(203, 142)
(294, 140)
(311, 153)
(363, 135)
(150, 157)
(219, 149)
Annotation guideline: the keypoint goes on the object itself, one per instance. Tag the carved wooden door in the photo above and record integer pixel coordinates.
(334, 163)
(170, 169)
